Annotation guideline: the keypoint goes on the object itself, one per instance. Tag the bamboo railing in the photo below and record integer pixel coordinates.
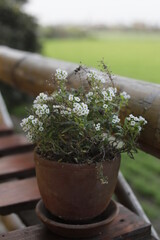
(33, 73)
(29, 72)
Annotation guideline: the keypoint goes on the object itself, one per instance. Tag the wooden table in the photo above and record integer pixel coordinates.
(19, 191)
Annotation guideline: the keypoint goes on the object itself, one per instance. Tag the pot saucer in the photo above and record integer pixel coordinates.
(74, 230)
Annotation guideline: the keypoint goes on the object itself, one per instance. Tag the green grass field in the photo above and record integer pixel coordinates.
(136, 56)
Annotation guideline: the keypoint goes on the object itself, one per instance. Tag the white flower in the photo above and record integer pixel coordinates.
(47, 111)
(105, 95)
(90, 94)
(125, 95)
(64, 112)
(31, 117)
(77, 99)
(101, 79)
(41, 98)
(24, 122)
(132, 123)
(81, 109)
(61, 74)
(34, 122)
(25, 129)
(112, 91)
(98, 127)
(109, 98)
(29, 137)
(136, 119)
(142, 119)
(92, 75)
(70, 97)
(131, 116)
(139, 128)
(115, 90)
(56, 106)
(41, 109)
(41, 129)
(55, 111)
(115, 119)
(105, 106)
(108, 94)
(77, 106)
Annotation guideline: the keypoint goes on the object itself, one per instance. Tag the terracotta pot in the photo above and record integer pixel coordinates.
(73, 191)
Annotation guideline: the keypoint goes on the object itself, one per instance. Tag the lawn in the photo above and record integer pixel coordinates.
(131, 55)
(136, 57)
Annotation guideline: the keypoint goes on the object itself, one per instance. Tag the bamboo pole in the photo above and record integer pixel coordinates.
(33, 73)
(127, 197)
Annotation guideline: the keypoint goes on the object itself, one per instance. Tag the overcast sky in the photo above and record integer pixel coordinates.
(95, 11)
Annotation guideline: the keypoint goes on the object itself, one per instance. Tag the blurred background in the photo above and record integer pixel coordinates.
(126, 34)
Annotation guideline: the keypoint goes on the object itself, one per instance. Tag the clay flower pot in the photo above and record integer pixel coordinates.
(73, 191)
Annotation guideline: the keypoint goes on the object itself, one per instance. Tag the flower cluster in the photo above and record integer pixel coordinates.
(115, 119)
(93, 76)
(61, 74)
(136, 122)
(60, 109)
(81, 109)
(109, 93)
(97, 126)
(125, 95)
(31, 125)
(42, 97)
(41, 109)
(78, 125)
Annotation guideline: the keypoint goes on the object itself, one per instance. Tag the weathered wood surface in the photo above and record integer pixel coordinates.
(29, 73)
(14, 143)
(126, 196)
(17, 165)
(125, 226)
(18, 195)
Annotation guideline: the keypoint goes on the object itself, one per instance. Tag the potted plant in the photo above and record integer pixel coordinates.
(79, 136)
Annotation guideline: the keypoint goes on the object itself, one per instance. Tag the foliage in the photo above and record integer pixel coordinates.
(53, 32)
(78, 126)
(18, 30)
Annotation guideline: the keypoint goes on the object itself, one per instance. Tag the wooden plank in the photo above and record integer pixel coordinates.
(14, 143)
(125, 226)
(4, 130)
(29, 72)
(18, 165)
(127, 197)
(18, 195)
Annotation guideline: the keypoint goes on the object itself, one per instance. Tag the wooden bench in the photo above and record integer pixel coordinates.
(19, 192)
(125, 226)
